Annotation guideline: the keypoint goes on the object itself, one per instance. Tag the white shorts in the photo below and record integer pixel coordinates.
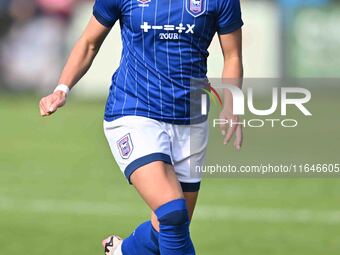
(137, 141)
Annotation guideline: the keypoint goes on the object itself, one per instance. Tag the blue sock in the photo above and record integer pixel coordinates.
(174, 236)
(143, 241)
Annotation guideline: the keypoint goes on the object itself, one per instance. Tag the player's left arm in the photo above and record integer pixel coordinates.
(231, 45)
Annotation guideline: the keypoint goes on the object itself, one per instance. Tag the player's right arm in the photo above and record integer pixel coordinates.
(78, 63)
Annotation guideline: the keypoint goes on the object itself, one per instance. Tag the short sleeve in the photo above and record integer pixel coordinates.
(107, 12)
(229, 16)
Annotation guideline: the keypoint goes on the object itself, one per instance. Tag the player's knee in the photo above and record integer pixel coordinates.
(174, 236)
(173, 213)
(176, 218)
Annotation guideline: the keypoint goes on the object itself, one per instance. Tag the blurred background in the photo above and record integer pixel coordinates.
(60, 190)
(285, 38)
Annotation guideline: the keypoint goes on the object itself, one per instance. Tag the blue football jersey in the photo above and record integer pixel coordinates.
(165, 45)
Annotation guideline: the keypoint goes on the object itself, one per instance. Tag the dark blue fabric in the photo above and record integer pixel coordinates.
(172, 206)
(107, 12)
(231, 28)
(174, 236)
(229, 18)
(191, 187)
(175, 218)
(104, 21)
(165, 46)
(134, 165)
(143, 241)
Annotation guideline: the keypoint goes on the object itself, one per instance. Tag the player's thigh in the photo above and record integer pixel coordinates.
(157, 184)
(188, 151)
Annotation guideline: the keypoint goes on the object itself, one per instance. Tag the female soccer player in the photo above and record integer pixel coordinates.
(147, 116)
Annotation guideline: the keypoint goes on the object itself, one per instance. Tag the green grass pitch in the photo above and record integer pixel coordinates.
(61, 192)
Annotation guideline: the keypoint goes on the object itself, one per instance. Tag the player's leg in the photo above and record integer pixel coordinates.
(190, 198)
(184, 153)
(138, 143)
(158, 185)
(145, 237)
(189, 145)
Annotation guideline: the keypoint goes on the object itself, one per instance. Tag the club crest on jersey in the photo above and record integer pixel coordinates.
(196, 7)
(125, 146)
(143, 3)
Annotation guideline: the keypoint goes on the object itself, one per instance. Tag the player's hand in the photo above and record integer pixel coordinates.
(50, 104)
(231, 129)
